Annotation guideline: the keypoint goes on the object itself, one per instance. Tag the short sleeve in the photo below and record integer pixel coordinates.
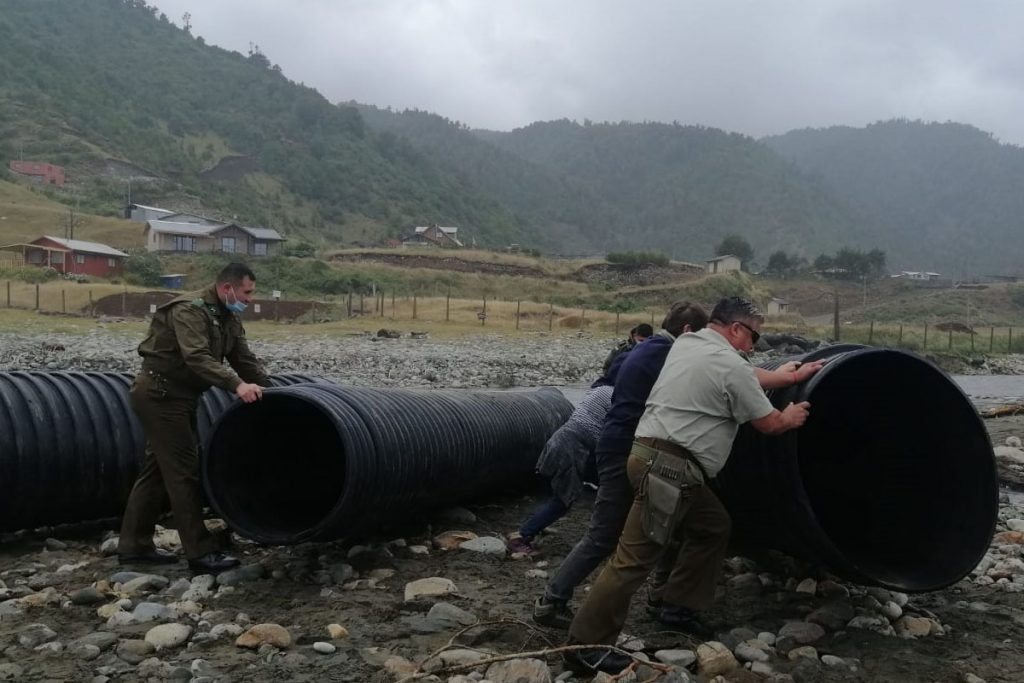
(746, 397)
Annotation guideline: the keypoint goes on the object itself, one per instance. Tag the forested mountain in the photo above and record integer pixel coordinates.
(949, 194)
(683, 188)
(110, 89)
(115, 92)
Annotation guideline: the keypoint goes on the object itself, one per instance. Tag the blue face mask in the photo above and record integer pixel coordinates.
(235, 306)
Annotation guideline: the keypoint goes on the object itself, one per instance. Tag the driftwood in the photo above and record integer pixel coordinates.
(1003, 411)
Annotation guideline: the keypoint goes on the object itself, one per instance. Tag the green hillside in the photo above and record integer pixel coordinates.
(112, 91)
(683, 188)
(947, 195)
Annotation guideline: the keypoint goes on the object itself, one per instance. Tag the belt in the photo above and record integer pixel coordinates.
(669, 447)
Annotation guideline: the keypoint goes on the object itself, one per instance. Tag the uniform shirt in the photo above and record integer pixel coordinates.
(189, 339)
(633, 383)
(704, 393)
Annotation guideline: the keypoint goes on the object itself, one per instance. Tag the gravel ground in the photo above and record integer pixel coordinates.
(358, 610)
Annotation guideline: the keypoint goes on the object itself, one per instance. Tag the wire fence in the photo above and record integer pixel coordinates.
(381, 309)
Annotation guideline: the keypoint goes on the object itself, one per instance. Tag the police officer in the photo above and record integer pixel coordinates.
(182, 356)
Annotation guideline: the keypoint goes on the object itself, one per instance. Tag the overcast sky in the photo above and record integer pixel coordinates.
(752, 66)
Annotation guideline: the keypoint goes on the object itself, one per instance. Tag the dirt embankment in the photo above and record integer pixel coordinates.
(631, 276)
(139, 305)
(442, 262)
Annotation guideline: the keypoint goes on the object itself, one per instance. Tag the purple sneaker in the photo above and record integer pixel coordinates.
(521, 546)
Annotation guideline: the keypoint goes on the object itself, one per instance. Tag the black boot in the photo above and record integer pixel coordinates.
(685, 620)
(593, 661)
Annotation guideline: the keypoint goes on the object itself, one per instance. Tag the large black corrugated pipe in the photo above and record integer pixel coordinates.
(70, 445)
(891, 482)
(319, 462)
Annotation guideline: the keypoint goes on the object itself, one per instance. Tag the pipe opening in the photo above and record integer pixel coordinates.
(897, 468)
(279, 467)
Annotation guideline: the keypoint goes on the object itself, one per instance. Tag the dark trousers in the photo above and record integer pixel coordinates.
(170, 471)
(611, 506)
(704, 534)
(546, 515)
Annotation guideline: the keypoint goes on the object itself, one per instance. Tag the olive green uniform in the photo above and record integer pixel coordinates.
(182, 356)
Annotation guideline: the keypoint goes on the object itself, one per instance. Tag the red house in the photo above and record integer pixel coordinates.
(72, 256)
(47, 174)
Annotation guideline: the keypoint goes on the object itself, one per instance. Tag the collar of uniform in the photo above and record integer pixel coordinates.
(210, 298)
(665, 334)
(716, 338)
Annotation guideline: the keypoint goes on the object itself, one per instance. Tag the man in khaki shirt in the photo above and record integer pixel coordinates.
(705, 391)
(189, 339)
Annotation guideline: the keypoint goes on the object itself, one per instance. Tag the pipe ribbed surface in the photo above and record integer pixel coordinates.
(891, 482)
(319, 462)
(70, 445)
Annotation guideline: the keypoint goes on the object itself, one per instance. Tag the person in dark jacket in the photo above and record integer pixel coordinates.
(189, 339)
(638, 334)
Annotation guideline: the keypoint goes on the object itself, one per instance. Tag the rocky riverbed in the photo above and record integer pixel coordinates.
(387, 607)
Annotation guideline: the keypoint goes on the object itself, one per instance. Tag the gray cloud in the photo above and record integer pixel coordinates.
(748, 66)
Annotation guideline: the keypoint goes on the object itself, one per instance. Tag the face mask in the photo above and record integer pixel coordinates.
(235, 306)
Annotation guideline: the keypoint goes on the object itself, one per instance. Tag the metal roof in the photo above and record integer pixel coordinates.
(88, 247)
(175, 228)
(263, 233)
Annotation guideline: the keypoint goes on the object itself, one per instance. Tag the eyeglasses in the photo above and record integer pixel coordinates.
(754, 334)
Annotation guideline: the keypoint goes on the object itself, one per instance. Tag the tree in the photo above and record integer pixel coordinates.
(781, 264)
(736, 246)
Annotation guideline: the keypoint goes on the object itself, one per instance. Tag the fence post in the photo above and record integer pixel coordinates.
(92, 309)
(991, 338)
(124, 303)
(871, 332)
(583, 315)
(277, 310)
(972, 341)
(349, 309)
(8, 294)
(485, 305)
(616, 323)
(899, 340)
(950, 345)
(1009, 344)
(37, 296)
(413, 306)
(551, 315)
(652, 318)
(312, 312)
(518, 302)
(448, 304)
(63, 301)
(361, 304)
(924, 346)
(392, 304)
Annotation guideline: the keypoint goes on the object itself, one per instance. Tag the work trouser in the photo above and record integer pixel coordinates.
(170, 470)
(611, 507)
(703, 532)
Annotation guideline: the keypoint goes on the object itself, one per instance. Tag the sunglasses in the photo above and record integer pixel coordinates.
(754, 334)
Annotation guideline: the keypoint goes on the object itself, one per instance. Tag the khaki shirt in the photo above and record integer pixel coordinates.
(705, 391)
(189, 338)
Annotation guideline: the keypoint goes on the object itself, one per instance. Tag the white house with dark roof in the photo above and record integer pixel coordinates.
(195, 234)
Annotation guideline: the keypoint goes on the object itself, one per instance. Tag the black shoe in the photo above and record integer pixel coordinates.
(152, 556)
(214, 563)
(592, 661)
(685, 620)
(653, 605)
(552, 613)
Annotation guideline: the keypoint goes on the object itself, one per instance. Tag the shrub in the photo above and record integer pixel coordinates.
(637, 259)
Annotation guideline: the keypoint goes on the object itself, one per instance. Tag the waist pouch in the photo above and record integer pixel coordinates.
(667, 489)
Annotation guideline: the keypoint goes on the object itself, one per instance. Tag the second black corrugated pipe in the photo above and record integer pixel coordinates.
(891, 481)
(319, 462)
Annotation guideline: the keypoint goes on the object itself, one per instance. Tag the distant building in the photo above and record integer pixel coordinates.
(195, 234)
(918, 275)
(47, 174)
(76, 257)
(777, 307)
(723, 264)
(434, 236)
(141, 213)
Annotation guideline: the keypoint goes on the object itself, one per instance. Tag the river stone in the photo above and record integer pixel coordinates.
(147, 583)
(260, 634)
(429, 587)
(168, 635)
(840, 663)
(449, 615)
(803, 652)
(101, 639)
(450, 540)
(11, 672)
(833, 615)
(324, 648)
(337, 631)
(752, 651)
(912, 627)
(248, 572)
(54, 647)
(748, 584)
(832, 589)
(399, 666)
(33, 635)
(228, 630)
(807, 586)
(84, 651)
(134, 651)
(714, 658)
(519, 671)
(878, 624)
(87, 596)
(801, 632)
(488, 545)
